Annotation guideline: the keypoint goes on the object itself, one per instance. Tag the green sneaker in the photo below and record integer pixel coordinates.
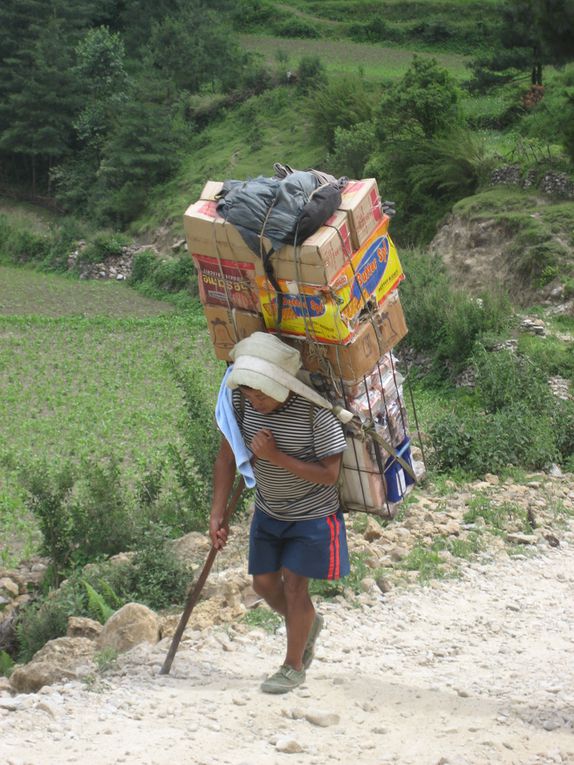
(309, 651)
(284, 680)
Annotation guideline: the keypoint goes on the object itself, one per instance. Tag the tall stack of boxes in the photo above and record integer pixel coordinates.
(339, 306)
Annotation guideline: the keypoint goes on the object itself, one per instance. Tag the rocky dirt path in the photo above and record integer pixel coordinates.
(476, 671)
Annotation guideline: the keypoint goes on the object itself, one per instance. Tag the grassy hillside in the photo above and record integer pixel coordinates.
(84, 373)
(375, 61)
(456, 25)
(244, 142)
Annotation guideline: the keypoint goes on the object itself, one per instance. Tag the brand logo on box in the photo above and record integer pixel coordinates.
(371, 269)
(300, 306)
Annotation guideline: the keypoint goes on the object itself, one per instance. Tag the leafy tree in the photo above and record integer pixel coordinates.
(103, 80)
(142, 149)
(343, 102)
(423, 102)
(311, 74)
(353, 148)
(193, 45)
(38, 92)
(533, 34)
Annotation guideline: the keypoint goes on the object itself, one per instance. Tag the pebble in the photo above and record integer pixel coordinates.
(322, 719)
(288, 745)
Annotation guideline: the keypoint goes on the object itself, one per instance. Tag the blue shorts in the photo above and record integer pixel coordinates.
(316, 548)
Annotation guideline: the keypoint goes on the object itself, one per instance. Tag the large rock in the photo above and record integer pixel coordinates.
(62, 658)
(191, 548)
(81, 626)
(131, 625)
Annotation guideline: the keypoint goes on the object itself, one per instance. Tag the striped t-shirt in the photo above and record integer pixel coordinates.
(279, 493)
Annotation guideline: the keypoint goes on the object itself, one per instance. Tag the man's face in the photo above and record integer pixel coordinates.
(259, 401)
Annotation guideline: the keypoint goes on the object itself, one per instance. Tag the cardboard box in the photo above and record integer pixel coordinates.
(374, 338)
(362, 203)
(331, 313)
(363, 486)
(319, 258)
(229, 327)
(226, 283)
(207, 233)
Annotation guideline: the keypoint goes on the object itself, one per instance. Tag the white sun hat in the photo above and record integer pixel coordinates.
(264, 362)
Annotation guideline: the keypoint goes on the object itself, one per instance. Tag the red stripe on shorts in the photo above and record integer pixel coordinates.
(332, 544)
(337, 548)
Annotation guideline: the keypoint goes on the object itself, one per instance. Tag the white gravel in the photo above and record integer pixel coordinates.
(473, 671)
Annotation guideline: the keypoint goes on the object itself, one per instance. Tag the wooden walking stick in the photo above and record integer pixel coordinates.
(194, 593)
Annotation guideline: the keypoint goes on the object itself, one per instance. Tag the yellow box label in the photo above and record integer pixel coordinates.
(330, 313)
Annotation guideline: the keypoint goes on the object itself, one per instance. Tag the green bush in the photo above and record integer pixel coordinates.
(295, 27)
(48, 500)
(311, 74)
(443, 321)
(193, 462)
(102, 510)
(352, 150)
(505, 379)
(520, 422)
(563, 427)
(155, 576)
(39, 623)
(175, 275)
(343, 102)
(104, 246)
(490, 442)
(143, 266)
(19, 244)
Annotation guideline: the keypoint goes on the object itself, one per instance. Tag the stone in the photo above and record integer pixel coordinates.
(191, 548)
(492, 479)
(9, 587)
(368, 584)
(131, 625)
(398, 553)
(383, 584)
(322, 719)
(288, 745)
(373, 530)
(521, 539)
(81, 626)
(62, 658)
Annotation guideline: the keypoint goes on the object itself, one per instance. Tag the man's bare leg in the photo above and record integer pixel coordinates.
(300, 616)
(288, 594)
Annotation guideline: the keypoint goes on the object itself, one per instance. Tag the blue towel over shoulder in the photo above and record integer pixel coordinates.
(228, 425)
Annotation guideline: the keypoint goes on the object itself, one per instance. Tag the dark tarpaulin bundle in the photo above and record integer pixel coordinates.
(285, 210)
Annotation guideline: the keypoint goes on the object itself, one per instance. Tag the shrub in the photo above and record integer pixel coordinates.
(155, 576)
(352, 149)
(452, 441)
(311, 74)
(174, 275)
(39, 623)
(104, 246)
(563, 427)
(102, 511)
(343, 102)
(443, 321)
(504, 379)
(143, 266)
(193, 463)
(22, 245)
(48, 494)
(490, 442)
(295, 27)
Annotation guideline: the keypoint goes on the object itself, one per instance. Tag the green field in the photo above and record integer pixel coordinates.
(374, 61)
(86, 376)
